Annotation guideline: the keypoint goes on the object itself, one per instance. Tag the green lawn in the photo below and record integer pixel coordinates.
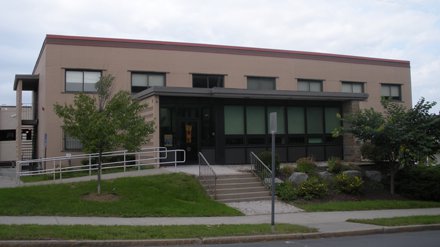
(82, 232)
(161, 195)
(400, 221)
(365, 205)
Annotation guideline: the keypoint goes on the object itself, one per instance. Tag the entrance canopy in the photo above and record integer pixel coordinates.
(30, 82)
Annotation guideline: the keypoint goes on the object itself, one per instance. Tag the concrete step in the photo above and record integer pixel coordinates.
(230, 191)
(247, 199)
(238, 196)
(236, 180)
(239, 185)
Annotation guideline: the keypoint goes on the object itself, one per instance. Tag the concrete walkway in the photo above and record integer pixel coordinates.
(323, 221)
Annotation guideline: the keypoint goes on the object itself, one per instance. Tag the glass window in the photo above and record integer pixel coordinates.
(72, 143)
(81, 81)
(7, 135)
(261, 83)
(309, 85)
(207, 81)
(352, 87)
(143, 80)
(280, 118)
(234, 120)
(331, 119)
(255, 122)
(391, 91)
(295, 120)
(314, 120)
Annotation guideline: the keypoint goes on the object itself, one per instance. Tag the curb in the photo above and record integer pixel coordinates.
(215, 240)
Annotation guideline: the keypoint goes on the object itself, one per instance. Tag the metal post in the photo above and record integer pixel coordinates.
(125, 161)
(273, 130)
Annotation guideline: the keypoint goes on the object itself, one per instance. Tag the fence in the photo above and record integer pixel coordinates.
(87, 163)
(261, 170)
(207, 176)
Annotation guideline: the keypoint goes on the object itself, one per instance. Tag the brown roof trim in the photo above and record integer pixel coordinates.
(220, 49)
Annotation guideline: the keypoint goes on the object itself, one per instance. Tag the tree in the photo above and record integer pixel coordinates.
(103, 122)
(398, 137)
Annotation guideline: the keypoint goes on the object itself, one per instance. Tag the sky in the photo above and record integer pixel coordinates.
(394, 29)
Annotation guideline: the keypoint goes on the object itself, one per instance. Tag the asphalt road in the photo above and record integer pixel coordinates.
(407, 239)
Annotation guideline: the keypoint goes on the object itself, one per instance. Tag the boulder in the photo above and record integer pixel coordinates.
(353, 173)
(375, 176)
(298, 177)
(268, 181)
(326, 176)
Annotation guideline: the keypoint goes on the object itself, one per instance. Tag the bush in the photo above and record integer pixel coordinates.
(348, 184)
(286, 171)
(313, 188)
(286, 192)
(306, 165)
(266, 157)
(336, 166)
(419, 182)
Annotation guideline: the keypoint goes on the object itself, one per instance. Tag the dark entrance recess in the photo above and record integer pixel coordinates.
(190, 143)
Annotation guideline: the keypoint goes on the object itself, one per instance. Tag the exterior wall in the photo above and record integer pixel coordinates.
(8, 150)
(178, 66)
(351, 147)
(151, 113)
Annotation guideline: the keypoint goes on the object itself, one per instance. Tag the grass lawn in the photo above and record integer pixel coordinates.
(365, 205)
(161, 195)
(37, 178)
(82, 232)
(400, 221)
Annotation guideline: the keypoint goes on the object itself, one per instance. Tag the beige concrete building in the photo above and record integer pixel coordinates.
(215, 99)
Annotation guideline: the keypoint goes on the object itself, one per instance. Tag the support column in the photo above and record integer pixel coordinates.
(352, 147)
(19, 109)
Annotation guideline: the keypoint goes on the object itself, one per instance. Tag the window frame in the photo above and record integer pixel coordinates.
(147, 73)
(249, 77)
(309, 81)
(351, 84)
(74, 140)
(220, 83)
(390, 97)
(82, 83)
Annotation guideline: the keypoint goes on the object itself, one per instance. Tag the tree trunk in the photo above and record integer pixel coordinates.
(99, 172)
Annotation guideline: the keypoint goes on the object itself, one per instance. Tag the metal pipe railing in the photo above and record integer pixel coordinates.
(261, 170)
(207, 176)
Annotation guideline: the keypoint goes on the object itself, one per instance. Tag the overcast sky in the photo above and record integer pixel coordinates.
(395, 29)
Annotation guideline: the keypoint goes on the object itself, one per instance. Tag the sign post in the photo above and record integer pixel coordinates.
(273, 130)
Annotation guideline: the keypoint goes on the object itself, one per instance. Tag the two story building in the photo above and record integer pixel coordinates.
(215, 99)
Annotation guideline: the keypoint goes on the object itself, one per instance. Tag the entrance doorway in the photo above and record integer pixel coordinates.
(189, 130)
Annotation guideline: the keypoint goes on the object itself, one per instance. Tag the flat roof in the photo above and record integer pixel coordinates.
(250, 94)
(30, 82)
(211, 48)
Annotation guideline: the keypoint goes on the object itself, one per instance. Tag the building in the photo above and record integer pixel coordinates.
(215, 99)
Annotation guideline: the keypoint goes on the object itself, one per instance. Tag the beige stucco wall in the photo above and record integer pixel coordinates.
(180, 64)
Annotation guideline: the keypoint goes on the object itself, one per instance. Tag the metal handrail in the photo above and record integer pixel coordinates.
(207, 176)
(64, 164)
(261, 170)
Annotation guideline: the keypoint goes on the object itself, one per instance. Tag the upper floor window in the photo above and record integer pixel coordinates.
(82, 80)
(352, 87)
(208, 81)
(391, 91)
(261, 83)
(7, 135)
(143, 80)
(309, 85)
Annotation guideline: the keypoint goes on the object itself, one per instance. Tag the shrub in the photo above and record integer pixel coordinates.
(336, 166)
(286, 192)
(266, 157)
(306, 165)
(286, 171)
(348, 184)
(313, 188)
(419, 182)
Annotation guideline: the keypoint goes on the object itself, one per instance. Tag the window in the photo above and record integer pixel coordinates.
(314, 120)
(309, 85)
(208, 81)
(143, 80)
(7, 135)
(352, 87)
(234, 120)
(255, 121)
(261, 83)
(81, 81)
(391, 91)
(331, 119)
(71, 143)
(295, 120)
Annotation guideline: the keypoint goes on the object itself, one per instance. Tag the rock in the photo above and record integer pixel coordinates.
(298, 177)
(326, 176)
(268, 181)
(375, 176)
(353, 173)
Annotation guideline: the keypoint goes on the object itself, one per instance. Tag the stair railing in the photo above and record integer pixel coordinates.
(207, 176)
(261, 170)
